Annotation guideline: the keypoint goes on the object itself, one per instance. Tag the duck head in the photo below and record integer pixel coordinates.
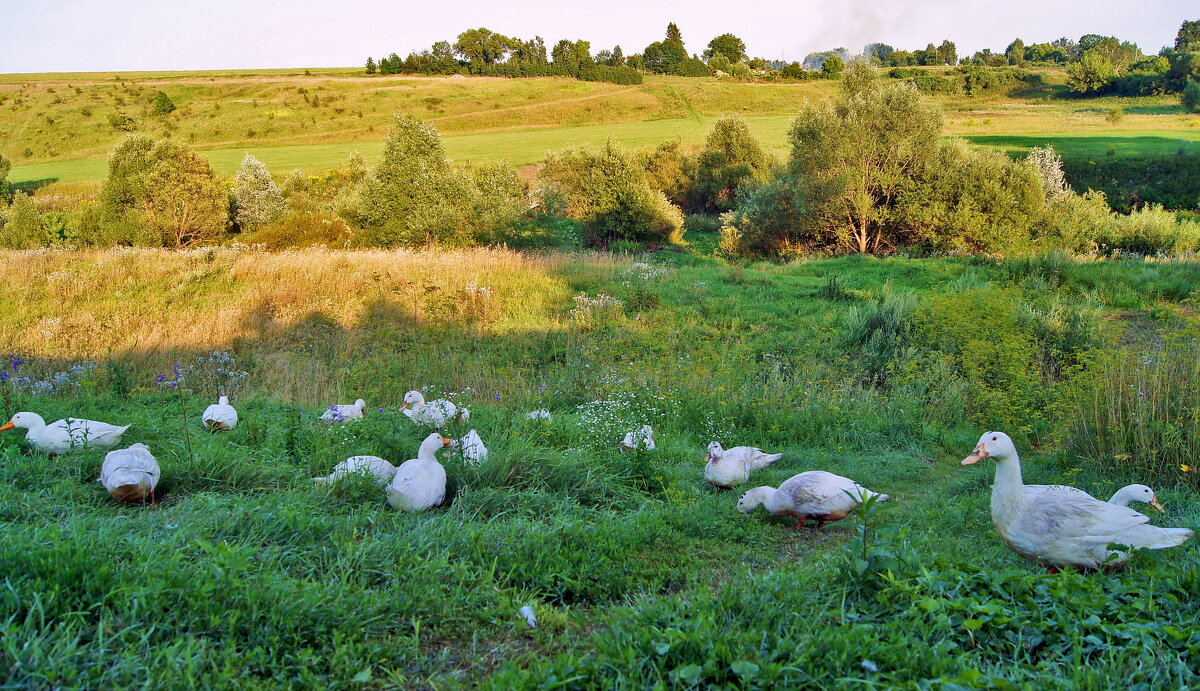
(995, 445)
(362, 406)
(714, 451)
(431, 444)
(413, 399)
(24, 421)
(223, 400)
(1142, 493)
(752, 498)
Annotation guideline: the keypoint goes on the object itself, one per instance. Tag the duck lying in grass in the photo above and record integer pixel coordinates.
(220, 416)
(1057, 528)
(373, 466)
(642, 438)
(472, 448)
(341, 413)
(130, 474)
(727, 468)
(1122, 497)
(66, 434)
(420, 483)
(814, 494)
(433, 414)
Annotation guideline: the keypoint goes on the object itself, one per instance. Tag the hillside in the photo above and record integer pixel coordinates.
(57, 127)
(245, 573)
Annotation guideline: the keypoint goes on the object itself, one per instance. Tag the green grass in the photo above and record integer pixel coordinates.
(1122, 144)
(245, 574)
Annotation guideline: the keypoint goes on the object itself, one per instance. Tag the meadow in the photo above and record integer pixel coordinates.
(57, 128)
(885, 370)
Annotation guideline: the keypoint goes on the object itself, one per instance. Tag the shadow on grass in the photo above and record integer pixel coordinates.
(31, 186)
(1075, 146)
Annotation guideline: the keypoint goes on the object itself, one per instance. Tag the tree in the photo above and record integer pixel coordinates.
(1190, 96)
(1188, 38)
(257, 200)
(572, 57)
(719, 63)
(673, 34)
(1015, 52)
(833, 65)
(853, 157)
(731, 157)
(732, 47)
(185, 201)
(125, 185)
(878, 52)
(948, 53)
(1092, 73)
(162, 104)
(370, 65)
(482, 46)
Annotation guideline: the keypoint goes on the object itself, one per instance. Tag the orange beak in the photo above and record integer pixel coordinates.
(7, 426)
(404, 407)
(447, 442)
(707, 457)
(976, 456)
(1155, 504)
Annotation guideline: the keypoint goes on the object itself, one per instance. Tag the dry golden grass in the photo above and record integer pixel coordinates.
(94, 303)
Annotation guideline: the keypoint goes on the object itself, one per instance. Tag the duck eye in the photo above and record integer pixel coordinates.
(995, 438)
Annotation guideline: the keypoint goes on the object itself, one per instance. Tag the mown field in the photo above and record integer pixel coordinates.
(56, 127)
(884, 370)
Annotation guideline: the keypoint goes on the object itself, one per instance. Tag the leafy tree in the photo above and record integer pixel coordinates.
(833, 65)
(1188, 38)
(162, 104)
(731, 158)
(1015, 52)
(482, 46)
(606, 190)
(257, 200)
(670, 170)
(948, 53)
(1190, 96)
(691, 67)
(719, 63)
(741, 70)
(878, 52)
(371, 65)
(663, 56)
(5, 186)
(128, 165)
(184, 200)
(732, 47)
(853, 157)
(1092, 73)
(25, 228)
(572, 56)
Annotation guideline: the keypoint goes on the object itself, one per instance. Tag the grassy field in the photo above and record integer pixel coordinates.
(56, 127)
(640, 574)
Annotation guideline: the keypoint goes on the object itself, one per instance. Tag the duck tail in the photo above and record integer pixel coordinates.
(1153, 537)
(764, 461)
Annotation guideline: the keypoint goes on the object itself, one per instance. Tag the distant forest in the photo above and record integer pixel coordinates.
(1095, 64)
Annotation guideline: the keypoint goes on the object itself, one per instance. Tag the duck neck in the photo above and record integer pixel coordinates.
(774, 500)
(427, 453)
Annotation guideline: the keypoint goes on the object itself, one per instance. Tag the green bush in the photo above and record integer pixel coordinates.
(731, 158)
(5, 185)
(608, 193)
(1190, 96)
(1150, 231)
(614, 75)
(691, 67)
(162, 104)
(672, 170)
(23, 226)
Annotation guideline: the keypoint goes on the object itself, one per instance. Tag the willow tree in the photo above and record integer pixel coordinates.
(853, 156)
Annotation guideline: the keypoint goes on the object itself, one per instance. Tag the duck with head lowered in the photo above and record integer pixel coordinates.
(1058, 527)
(433, 414)
(731, 467)
(420, 483)
(63, 435)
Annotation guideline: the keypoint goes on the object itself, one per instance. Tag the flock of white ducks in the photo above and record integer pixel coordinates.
(1050, 525)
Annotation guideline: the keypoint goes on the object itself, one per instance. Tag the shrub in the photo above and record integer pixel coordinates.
(162, 104)
(621, 74)
(670, 170)
(739, 70)
(770, 219)
(963, 199)
(1190, 96)
(876, 335)
(1073, 222)
(606, 191)
(691, 67)
(122, 122)
(731, 157)
(1150, 231)
(24, 227)
(185, 201)
(257, 200)
(720, 63)
(5, 186)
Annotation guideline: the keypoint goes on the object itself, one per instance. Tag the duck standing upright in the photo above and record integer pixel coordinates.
(66, 434)
(420, 483)
(130, 474)
(1057, 528)
(220, 416)
(731, 467)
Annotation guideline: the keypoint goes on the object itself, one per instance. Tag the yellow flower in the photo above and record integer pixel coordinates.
(1186, 468)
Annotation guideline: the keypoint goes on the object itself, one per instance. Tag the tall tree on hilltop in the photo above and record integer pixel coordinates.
(482, 46)
(728, 45)
(370, 65)
(1188, 38)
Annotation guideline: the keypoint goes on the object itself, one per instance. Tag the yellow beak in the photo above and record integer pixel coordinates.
(976, 456)
(1155, 504)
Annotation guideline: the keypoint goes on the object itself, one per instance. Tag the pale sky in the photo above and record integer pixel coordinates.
(95, 35)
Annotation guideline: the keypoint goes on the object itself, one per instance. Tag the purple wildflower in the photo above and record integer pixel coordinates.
(496, 395)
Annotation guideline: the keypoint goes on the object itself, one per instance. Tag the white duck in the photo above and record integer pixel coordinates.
(731, 467)
(130, 474)
(62, 435)
(220, 416)
(472, 448)
(813, 494)
(1122, 497)
(373, 466)
(433, 414)
(420, 483)
(339, 413)
(1062, 528)
(643, 438)
(541, 415)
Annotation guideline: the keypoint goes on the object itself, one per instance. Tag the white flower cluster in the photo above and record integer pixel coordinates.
(592, 310)
(605, 422)
(641, 272)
